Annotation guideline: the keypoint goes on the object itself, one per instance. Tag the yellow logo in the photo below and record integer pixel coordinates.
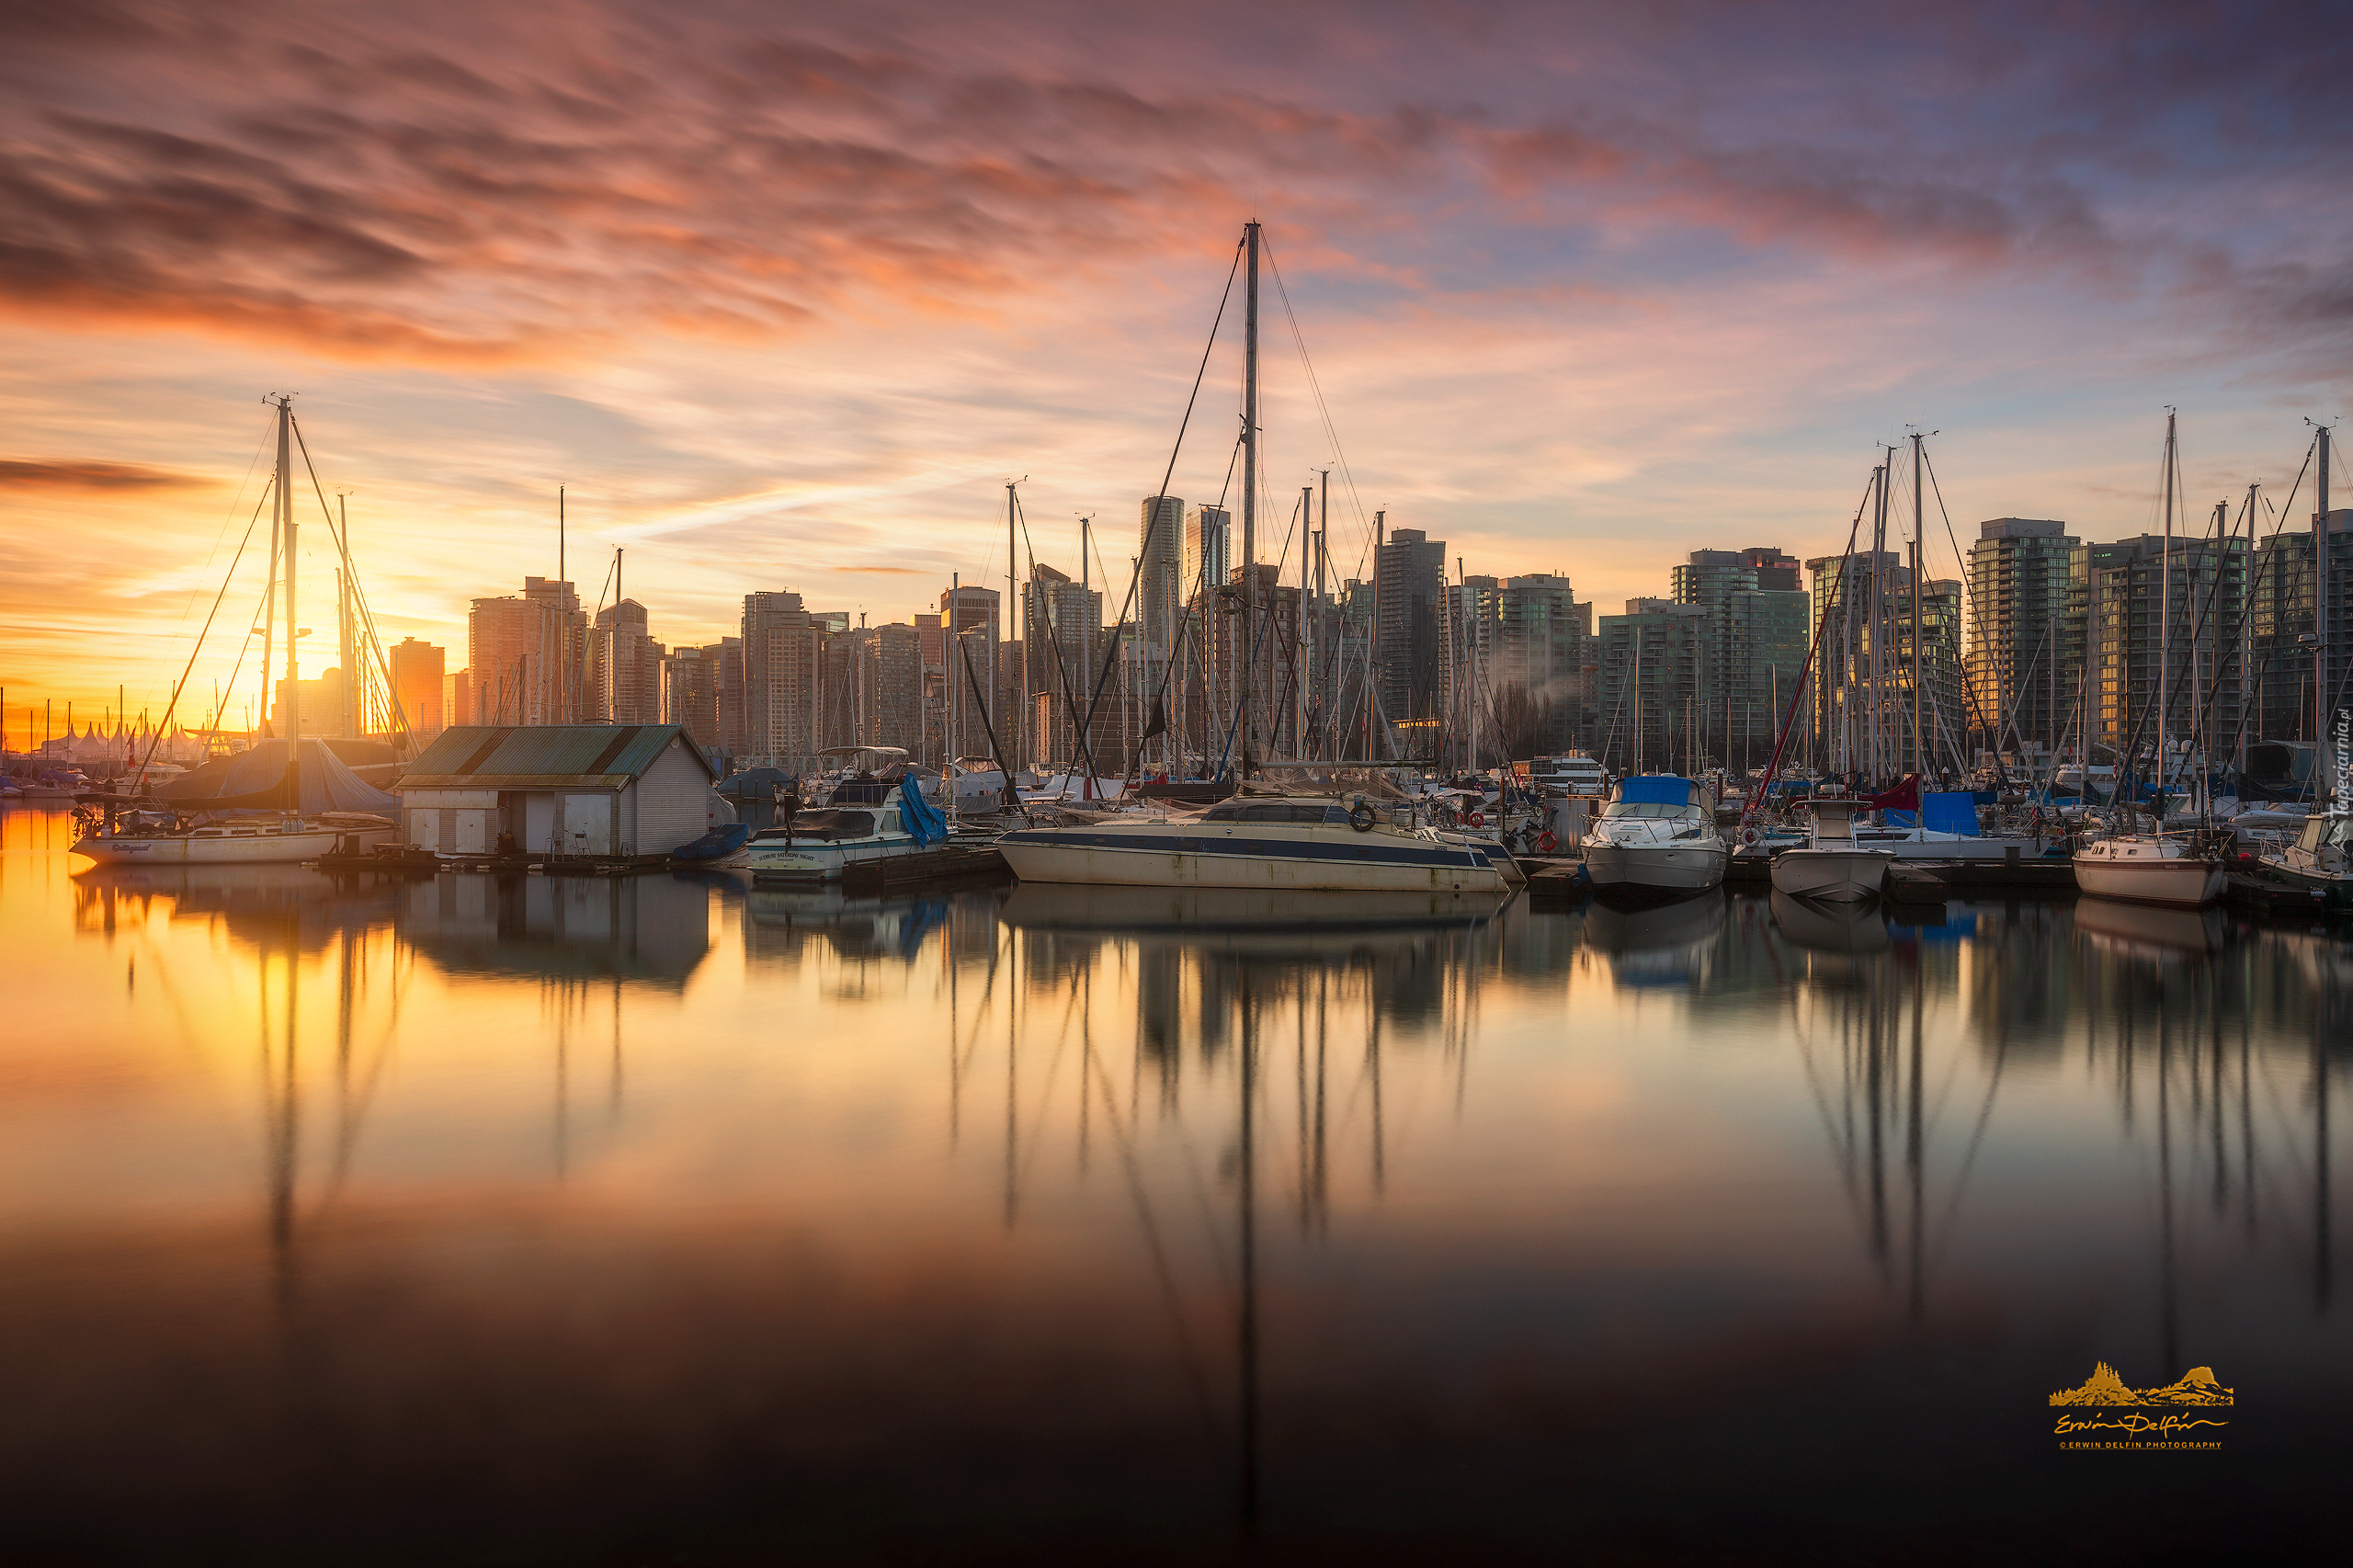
(2118, 1418)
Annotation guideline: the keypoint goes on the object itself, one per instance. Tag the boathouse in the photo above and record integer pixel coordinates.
(593, 792)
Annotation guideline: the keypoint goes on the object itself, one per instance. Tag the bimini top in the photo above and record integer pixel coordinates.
(1658, 790)
(545, 757)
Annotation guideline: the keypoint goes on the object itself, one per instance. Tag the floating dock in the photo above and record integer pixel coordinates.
(950, 865)
(1932, 880)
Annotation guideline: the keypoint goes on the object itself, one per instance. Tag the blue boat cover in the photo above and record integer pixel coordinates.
(1954, 814)
(919, 815)
(1656, 790)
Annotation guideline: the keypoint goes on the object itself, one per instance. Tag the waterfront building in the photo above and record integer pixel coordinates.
(2025, 638)
(417, 687)
(457, 698)
(2127, 625)
(1758, 624)
(2279, 616)
(726, 660)
(1160, 585)
(525, 654)
(1654, 685)
(1852, 596)
(691, 695)
(570, 789)
(874, 687)
(1410, 570)
(970, 632)
(625, 666)
(319, 698)
(1062, 626)
(783, 655)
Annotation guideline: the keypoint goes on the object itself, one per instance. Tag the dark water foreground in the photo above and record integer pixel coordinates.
(662, 1221)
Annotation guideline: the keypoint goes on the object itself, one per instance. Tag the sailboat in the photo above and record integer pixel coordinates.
(2177, 868)
(1290, 837)
(182, 835)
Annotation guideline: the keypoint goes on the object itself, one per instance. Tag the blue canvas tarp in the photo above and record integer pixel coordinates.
(1955, 813)
(1656, 790)
(919, 815)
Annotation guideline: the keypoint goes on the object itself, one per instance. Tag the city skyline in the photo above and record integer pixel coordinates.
(1581, 299)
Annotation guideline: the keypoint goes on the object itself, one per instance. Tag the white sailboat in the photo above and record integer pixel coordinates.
(2173, 869)
(154, 839)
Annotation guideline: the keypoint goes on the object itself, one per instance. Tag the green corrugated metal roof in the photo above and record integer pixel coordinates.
(525, 756)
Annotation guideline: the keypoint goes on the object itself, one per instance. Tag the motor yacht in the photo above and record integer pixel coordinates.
(1833, 865)
(1258, 840)
(1657, 834)
(862, 820)
(2319, 860)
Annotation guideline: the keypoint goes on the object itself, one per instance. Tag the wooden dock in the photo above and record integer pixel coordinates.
(1937, 879)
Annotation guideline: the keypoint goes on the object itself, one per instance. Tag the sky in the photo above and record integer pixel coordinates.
(784, 294)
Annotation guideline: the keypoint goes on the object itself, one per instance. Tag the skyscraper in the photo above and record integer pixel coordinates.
(1160, 584)
(1653, 685)
(1062, 625)
(1757, 631)
(2024, 649)
(625, 667)
(418, 679)
(783, 657)
(970, 655)
(1410, 570)
(690, 694)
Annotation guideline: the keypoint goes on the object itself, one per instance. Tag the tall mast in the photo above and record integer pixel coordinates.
(2246, 647)
(1249, 492)
(1919, 651)
(1018, 728)
(1315, 632)
(2165, 623)
(1877, 630)
(2321, 703)
(1372, 628)
(563, 663)
(293, 672)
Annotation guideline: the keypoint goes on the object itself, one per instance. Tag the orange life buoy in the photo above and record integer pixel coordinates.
(1474, 819)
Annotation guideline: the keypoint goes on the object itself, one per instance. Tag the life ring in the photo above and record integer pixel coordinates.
(1474, 819)
(1360, 817)
(1751, 837)
(1546, 843)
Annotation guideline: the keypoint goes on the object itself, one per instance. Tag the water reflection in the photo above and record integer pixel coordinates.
(543, 1215)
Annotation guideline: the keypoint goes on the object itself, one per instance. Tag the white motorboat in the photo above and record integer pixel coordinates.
(2319, 860)
(1656, 834)
(2150, 868)
(1257, 841)
(290, 840)
(1574, 774)
(1833, 865)
(864, 820)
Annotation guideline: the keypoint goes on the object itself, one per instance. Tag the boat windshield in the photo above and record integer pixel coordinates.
(825, 823)
(1277, 811)
(1645, 809)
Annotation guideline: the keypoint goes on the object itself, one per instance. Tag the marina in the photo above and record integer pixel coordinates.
(1253, 1214)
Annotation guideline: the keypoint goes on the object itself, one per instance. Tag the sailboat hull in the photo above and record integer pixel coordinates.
(2185, 883)
(1835, 876)
(231, 848)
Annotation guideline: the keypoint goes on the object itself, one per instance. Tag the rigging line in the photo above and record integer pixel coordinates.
(2267, 557)
(156, 737)
(230, 516)
(244, 644)
(1315, 386)
(1054, 644)
(1969, 605)
(1821, 624)
(359, 593)
(1167, 474)
(1248, 639)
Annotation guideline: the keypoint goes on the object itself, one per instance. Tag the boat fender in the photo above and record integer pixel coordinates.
(1546, 843)
(1360, 817)
(1475, 818)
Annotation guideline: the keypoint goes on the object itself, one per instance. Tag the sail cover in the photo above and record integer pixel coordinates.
(256, 781)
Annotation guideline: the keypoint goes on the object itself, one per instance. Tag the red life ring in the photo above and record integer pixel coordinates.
(1546, 843)
(1474, 819)
(1750, 836)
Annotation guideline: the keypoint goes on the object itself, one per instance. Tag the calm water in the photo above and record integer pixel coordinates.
(659, 1220)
